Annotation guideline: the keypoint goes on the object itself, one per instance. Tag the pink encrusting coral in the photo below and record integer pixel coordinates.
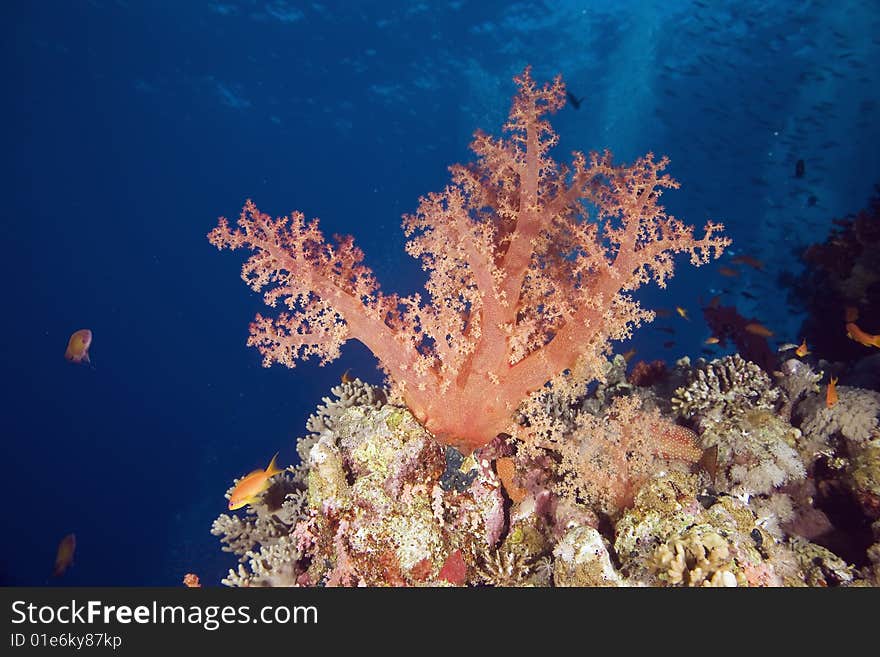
(523, 284)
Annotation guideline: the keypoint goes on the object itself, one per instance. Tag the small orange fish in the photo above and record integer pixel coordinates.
(64, 556)
(802, 350)
(346, 377)
(850, 314)
(748, 260)
(857, 334)
(831, 393)
(730, 272)
(712, 340)
(249, 488)
(682, 312)
(758, 329)
(78, 346)
(627, 355)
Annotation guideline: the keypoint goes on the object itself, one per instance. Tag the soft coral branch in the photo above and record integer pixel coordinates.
(522, 286)
(331, 296)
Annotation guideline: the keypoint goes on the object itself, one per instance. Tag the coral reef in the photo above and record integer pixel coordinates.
(675, 536)
(597, 490)
(507, 450)
(734, 404)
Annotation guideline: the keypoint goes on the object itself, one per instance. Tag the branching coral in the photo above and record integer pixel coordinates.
(722, 388)
(796, 378)
(261, 539)
(522, 286)
(348, 394)
(756, 451)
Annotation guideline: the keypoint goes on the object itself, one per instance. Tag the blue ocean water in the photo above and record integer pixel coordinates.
(129, 127)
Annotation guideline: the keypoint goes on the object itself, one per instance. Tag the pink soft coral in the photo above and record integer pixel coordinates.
(522, 287)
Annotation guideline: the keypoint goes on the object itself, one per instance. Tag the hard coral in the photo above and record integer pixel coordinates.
(375, 512)
(724, 387)
(670, 538)
(522, 286)
(756, 450)
(700, 557)
(262, 539)
(600, 503)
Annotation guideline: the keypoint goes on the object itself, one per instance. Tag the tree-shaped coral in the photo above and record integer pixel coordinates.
(524, 284)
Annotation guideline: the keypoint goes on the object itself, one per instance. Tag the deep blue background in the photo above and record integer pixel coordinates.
(129, 127)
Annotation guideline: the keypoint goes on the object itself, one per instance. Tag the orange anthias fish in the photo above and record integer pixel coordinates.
(857, 334)
(759, 329)
(251, 486)
(64, 556)
(802, 350)
(730, 272)
(682, 312)
(831, 393)
(78, 346)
